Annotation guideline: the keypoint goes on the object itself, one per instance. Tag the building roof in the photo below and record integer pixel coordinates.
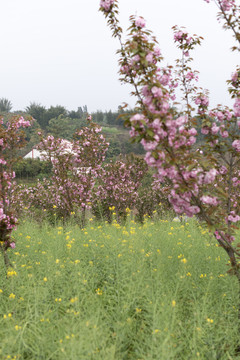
(35, 154)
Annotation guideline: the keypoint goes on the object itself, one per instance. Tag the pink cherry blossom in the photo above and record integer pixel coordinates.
(140, 22)
(236, 145)
(234, 77)
(210, 200)
(234, 218)
(236, 107)
(157, 91)
(157, 51)
(149, 58)
(210, 176)
(227, 4)
(215, 129)
(106, 4)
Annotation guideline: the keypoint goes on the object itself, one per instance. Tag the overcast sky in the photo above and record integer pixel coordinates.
(60, 52)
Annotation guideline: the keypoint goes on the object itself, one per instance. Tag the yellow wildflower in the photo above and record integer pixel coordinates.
(184, 260)
(210, 321)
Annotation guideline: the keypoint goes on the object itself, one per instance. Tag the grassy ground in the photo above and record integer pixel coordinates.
(153, 291)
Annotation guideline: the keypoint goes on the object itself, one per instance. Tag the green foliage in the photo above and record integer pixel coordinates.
(37, 111)
(43, 115)
(111, 118)
(5, 105)
(98, 117)
(79, 114)
(110, 130)
(32, 168)
(119, 143)
(65, 127)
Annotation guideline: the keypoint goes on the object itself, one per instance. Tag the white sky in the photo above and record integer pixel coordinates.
(60, 52)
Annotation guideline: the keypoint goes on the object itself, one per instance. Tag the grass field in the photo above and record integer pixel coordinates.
(153, 291)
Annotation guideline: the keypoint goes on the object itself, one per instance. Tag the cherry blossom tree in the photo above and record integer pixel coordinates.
(117, 187)
(11, 140)
(75, 168)
(203, 176)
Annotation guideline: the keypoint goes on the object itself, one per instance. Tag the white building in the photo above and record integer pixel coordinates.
(35, 154)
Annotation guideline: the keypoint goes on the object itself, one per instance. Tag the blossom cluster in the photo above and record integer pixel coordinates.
(226, 5)
(106, 4)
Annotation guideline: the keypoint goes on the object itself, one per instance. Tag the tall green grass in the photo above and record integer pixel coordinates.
(110, 130)
(153, 291)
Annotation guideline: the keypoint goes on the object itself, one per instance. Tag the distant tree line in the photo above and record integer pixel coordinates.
(62, 123)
